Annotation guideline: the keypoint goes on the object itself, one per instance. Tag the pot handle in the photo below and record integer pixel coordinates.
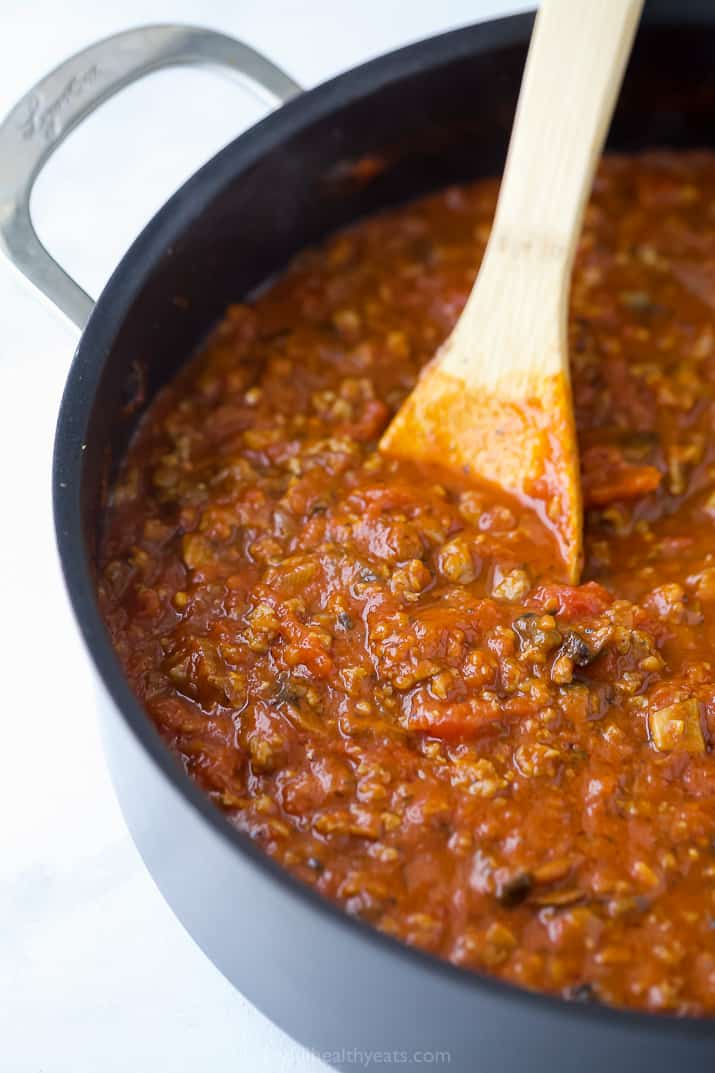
(46, 115)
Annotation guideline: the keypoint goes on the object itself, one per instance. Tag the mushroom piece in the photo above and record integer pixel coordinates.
(676, 728)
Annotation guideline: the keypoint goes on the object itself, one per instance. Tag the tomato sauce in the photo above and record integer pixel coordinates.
(375, 671)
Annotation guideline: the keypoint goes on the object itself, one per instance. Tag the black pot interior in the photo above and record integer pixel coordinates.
(437, 113)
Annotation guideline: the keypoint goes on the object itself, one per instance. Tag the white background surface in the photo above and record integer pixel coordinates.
(96, 975)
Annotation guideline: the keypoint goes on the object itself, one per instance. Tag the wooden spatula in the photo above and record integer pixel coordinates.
(495, 402)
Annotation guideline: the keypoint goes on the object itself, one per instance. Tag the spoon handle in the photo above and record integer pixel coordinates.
(573, 73)
(578, 52)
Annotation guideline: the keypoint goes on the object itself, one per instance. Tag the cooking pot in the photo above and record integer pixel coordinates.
(427, 115)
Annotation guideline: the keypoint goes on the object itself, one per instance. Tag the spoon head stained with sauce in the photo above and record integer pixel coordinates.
(526, 446)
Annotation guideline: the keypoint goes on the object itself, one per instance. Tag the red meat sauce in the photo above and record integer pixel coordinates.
(374, 670)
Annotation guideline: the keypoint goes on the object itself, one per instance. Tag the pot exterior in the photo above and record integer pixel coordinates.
(434, 113)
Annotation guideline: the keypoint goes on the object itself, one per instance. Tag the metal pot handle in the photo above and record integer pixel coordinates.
(57, 104)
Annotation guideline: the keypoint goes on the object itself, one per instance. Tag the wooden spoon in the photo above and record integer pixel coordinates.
(495, 402)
